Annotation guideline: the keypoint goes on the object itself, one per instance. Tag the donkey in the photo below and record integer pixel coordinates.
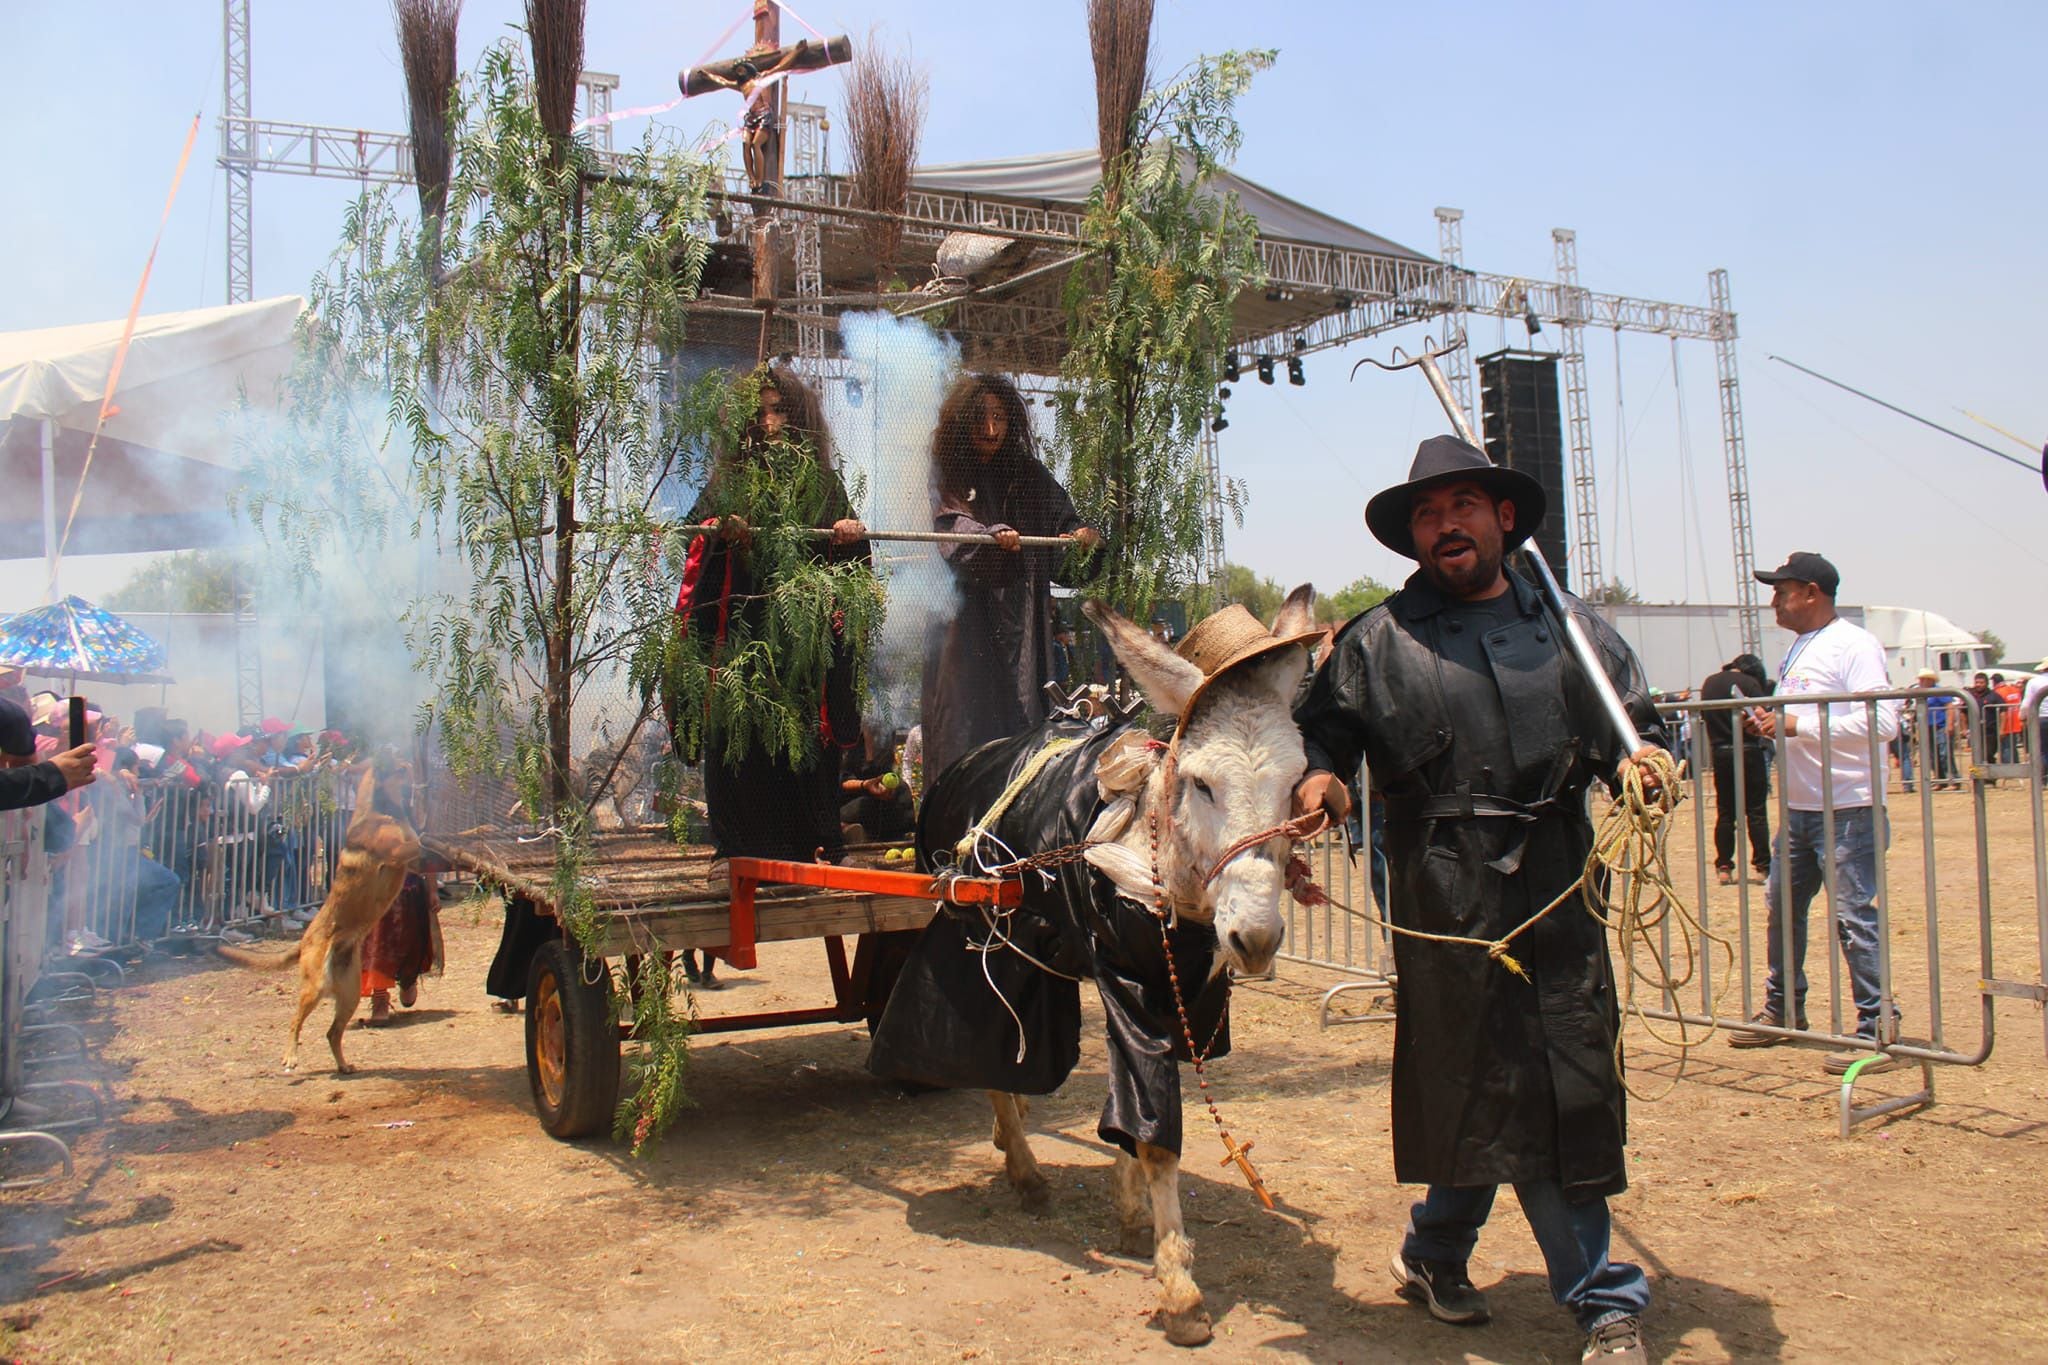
(991, 1001)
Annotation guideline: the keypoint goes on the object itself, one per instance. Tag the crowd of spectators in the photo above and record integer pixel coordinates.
(174, 830)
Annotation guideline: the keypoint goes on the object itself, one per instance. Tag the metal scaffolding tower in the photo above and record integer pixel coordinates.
(1450, 239)
(594, 91)
(1585, 549)
(237, 141)
(1738, 468)
(1212, 515)
(805, 128)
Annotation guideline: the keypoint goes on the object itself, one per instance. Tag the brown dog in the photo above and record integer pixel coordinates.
(375, 856)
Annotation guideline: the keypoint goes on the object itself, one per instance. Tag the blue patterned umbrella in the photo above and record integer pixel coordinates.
(75, 639)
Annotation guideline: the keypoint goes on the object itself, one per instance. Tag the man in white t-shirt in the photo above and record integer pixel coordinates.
(1822, 772)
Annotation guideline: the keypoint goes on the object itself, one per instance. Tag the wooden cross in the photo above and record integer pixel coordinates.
(1242, 1155)
(761, 130)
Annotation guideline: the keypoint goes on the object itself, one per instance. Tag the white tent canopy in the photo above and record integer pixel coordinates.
(161, 476)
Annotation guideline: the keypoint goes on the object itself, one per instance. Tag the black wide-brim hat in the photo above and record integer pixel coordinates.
(1446, 459)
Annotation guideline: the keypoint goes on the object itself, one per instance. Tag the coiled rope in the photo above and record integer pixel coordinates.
(1627, 886)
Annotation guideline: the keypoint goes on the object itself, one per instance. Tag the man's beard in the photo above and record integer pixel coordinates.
(1474, 574)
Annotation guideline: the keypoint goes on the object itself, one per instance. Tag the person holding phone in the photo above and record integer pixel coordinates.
(24, 782)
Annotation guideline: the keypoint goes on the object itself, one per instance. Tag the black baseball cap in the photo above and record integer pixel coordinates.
(1804, 566)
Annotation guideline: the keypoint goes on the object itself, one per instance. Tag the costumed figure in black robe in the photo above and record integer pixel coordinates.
(1460, 695)
(985, 670)
(760, 806)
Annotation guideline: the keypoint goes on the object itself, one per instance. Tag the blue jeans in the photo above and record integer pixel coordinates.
(1573, 1236)
(1801, 855)
(156, 899)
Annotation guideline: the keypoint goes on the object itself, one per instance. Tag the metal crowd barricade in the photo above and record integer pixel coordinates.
(1339, 939)
(1747, 935)
(180, 860)
(24, 917)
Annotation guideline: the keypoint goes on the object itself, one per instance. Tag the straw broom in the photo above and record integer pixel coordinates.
(886, 98)
(554, 28)
(426, 47)
(1120, 41)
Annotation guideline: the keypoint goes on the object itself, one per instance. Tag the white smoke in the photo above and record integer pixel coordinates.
(882, 419)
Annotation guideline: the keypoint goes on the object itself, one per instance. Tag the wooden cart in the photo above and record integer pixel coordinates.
(655, 896)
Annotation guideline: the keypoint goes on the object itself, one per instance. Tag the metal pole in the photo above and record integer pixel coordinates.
(911, 537)
(50, 507)
(1575, 634)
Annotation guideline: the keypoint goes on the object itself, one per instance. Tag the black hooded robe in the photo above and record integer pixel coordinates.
(985, 669)
(758, 805)
(1457, 709)
(949, 1021)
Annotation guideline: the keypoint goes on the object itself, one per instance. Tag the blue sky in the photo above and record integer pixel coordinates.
(1869, 174)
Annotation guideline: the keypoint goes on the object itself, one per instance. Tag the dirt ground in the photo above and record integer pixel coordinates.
(804, 1210)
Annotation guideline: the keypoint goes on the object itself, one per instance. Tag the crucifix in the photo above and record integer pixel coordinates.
(1241, 1153)
(766, 64)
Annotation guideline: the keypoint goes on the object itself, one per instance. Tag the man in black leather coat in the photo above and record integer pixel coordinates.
(1483, 735)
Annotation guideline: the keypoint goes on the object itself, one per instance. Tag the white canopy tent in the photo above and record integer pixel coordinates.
(162, 474)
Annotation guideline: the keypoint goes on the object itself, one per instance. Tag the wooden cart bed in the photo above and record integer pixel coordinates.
(656, 894)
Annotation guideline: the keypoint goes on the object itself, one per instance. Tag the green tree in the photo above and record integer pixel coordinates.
(195, 581)
(1259, 595)
(1612, 593)
(1149, 315)
(1354, 598)
(1995, 641)
(499, 386)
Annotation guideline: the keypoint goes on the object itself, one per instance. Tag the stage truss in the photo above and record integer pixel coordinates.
(1318, 296)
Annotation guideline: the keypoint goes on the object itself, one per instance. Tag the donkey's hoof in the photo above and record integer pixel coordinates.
(1036, 1196)
(1189, 1328)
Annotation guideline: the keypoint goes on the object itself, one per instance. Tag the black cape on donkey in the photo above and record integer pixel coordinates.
(1185, 850)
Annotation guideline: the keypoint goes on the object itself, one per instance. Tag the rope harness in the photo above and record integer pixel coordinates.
(1293, 830)
(1626, 886)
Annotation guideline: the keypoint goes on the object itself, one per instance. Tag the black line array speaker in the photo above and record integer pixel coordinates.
(1523, 431)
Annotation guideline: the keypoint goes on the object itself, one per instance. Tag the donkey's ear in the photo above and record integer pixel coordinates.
(1166, 679)
(1297, 614)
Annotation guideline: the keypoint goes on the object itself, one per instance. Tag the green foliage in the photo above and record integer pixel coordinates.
(1353, 599)
(1262, 596)
(1995, 641)
(1612, 593)
(1149, 317)
(1259, 595)
(198, 581)
(497, 390)
(759, 687)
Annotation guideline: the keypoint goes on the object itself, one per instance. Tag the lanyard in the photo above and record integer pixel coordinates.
(1799, 646)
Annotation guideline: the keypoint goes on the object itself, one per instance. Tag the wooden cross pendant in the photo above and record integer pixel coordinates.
(1242, 1155)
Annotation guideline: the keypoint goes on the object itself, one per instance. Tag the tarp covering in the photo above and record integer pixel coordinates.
(1070, 177)
(161, 476)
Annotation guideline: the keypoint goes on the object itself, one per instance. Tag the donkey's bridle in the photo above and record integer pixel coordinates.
(1304, 826)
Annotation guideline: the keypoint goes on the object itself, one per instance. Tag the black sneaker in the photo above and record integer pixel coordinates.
(1443, 1287)
(1618, 1341)
(1743, 1037)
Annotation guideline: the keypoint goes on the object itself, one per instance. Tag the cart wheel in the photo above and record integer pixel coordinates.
(572, 1044)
